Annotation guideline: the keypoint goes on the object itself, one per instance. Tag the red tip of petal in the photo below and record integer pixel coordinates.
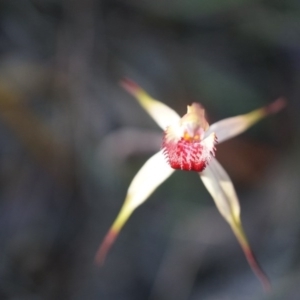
(257, 269)
(130, 86)
(276, 106)
(105, 246)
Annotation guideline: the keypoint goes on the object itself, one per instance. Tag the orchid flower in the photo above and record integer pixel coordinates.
(189, 144)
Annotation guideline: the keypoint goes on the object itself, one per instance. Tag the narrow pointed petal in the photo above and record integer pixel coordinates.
(230, 127)
(154, 172)
(219, 185)
(162, 114)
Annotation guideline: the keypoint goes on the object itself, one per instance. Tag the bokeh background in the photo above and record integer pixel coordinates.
(71, 140)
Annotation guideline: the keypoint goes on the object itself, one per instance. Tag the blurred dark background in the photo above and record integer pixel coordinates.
(71, 140)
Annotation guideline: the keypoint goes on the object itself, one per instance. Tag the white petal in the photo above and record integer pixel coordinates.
(162, 114)
(153, 173)
(220, 186)
(230, 127)
(222, 190)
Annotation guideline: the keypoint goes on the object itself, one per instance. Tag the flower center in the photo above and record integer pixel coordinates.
(185, 145)
(190, 139)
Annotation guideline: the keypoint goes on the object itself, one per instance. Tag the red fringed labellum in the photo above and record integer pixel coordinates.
(185, 145)
(189, 155)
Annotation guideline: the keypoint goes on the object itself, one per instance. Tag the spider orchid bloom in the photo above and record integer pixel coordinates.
(189, 144)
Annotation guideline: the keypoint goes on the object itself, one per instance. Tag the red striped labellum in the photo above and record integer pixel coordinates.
(186, 144)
